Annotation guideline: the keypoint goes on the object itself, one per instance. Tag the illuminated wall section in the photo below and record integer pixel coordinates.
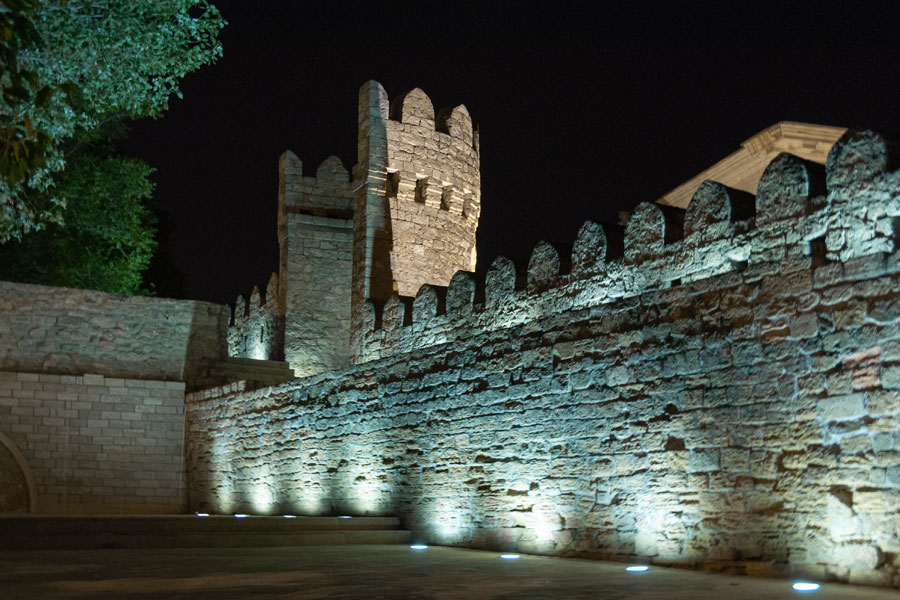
(718, 390)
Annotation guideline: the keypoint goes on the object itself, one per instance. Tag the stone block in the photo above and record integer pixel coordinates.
(92, 379)
(702, 460)
(842, 408)
(890, 377)
(863, 557)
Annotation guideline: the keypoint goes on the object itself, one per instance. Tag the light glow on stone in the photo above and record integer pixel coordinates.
(240, 516)
(262, 499)
(418, 547)
(637, 568)
(805, 586)
(509, 556)
(544, 524)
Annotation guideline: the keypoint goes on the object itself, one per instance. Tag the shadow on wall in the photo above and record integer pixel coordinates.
(18, 493)
(207, 344)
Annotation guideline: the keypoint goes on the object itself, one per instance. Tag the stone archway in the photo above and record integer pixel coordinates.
(18, 493)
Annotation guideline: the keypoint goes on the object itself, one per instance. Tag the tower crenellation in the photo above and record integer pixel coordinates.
(418, 196)
(405, 218)
(724, 237)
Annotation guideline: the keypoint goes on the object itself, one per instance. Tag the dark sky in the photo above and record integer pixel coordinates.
(584, 109)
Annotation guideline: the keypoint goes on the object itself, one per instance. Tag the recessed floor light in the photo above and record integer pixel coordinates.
(806, 586)
(344, 517)
(637, 568)
(509, 556)
(418, 547)
(288, 516)
(240, 516)
(202, 514)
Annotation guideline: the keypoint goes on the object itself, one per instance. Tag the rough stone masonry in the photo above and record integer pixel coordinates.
(717, 388)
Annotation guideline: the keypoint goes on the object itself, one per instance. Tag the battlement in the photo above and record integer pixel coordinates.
(411, 177)
(256, 327)
(794, 223)
(418, 196)
(431, 160)
(328, 194)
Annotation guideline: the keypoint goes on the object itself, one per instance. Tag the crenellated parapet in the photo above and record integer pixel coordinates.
(327, 194)
(256, 328)
(433, 161)
(417, 195)
(793, 224)
(315, 236)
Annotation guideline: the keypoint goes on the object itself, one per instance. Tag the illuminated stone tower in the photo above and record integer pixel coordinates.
(315, 238)
(417, 196)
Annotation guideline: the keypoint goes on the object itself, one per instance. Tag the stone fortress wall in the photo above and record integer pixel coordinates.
(70, 331)
(92, 397)
(256, 325)
(316, 244)
(722, 389)
(407, 217)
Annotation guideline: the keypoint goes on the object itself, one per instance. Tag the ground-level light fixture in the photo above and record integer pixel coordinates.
(240, 516)
(509, 556)
(344, 517)
(806, 586)
(418, 547)
(288, 516)
(202, 514)
(637, 568)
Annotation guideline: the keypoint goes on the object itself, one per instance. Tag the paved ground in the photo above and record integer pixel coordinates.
(367, 572)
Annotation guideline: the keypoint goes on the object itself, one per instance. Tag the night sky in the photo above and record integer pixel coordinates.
(583, 109)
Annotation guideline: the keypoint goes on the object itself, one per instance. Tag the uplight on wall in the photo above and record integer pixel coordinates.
(806, 586)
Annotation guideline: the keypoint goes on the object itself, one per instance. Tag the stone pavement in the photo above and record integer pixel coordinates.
(368, 572)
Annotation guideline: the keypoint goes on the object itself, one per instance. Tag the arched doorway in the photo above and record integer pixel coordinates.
(18, 493)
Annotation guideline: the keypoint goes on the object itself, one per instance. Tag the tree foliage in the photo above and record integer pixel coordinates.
(108, 238)
(71, 66)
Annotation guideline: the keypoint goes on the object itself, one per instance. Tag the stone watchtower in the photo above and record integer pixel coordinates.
(315, 238)
(407, 217)
(417, 196)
